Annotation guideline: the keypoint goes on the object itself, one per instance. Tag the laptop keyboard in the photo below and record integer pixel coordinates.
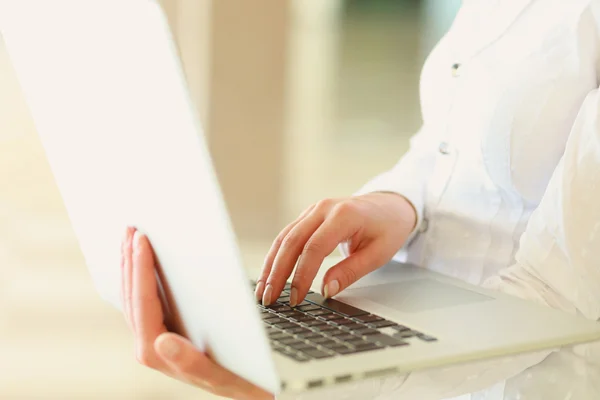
(321, 328)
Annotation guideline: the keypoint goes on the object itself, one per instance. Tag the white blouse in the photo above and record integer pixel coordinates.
(505, 177)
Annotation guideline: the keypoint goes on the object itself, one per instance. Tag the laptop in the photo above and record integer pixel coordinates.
(106, 91)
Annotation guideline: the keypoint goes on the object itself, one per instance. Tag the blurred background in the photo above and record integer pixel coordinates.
(299, 99)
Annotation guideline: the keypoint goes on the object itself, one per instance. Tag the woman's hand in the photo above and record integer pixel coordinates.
(375, 226)
(154, 346)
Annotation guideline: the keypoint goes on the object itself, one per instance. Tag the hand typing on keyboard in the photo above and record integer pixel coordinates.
(375, 226)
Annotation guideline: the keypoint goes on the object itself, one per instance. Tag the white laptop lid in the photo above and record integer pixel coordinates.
(108, 97)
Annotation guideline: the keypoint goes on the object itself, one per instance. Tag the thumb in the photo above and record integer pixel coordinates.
(351, 269)
(183, 357)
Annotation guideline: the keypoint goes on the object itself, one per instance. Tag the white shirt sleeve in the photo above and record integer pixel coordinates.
(557, 265)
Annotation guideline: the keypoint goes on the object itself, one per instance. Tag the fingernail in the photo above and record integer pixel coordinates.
(266, 300)
(260, 288)
(331, 289)
(293, 297)
(169, 348)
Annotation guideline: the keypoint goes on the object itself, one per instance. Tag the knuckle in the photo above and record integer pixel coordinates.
(344, 209)
(313, 247)
(300, 279)
(279, 240)
(325, 204)
(291, 240)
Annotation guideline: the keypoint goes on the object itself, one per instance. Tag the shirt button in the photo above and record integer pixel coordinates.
(444, 148)
(456, 70)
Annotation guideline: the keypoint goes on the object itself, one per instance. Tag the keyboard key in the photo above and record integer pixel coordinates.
(330, 317)
(353, 327)
(309, 335)
(406, 334)
(268, 316)
(301, 346)
(367, 347)
(300, 357)
(427, 338)
(366, 332)
(296, 330)
(318, 312)
(316, 353)
(302, 317)
(334, 305)
(356, 341)
(279, 335)
(386, 340)
(336, 333)
(281, 350)
(329, 344)
(297, 315)
(344, 321)
(400, 328)
(279, 307)
(313, 323)
(335, 346)
(308, 307)
(321, 339)
(274, 321)
(381, 324)
(290, 341)
(344, 350)
(346, 337)
(285, 325)
(287, 313)
(304, 303)
(368, 318)
(325, 328)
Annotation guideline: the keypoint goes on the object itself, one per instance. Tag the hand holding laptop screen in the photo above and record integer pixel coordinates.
(159, 349)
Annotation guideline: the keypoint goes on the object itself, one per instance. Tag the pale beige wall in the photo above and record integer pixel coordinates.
(191, 22)
(234, 55)
(247, 107)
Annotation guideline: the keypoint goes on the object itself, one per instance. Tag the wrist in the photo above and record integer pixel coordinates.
(401, 206)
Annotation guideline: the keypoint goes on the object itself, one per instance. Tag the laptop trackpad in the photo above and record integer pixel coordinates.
(418, 295)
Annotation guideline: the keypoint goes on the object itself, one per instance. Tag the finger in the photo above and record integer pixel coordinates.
(270, 258)
(147, 309)
(364, 261)
(288, 254)
(126, 260)
(342, 223)
(195, 367)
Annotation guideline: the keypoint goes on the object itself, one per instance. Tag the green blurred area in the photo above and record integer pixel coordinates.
(380, 5)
